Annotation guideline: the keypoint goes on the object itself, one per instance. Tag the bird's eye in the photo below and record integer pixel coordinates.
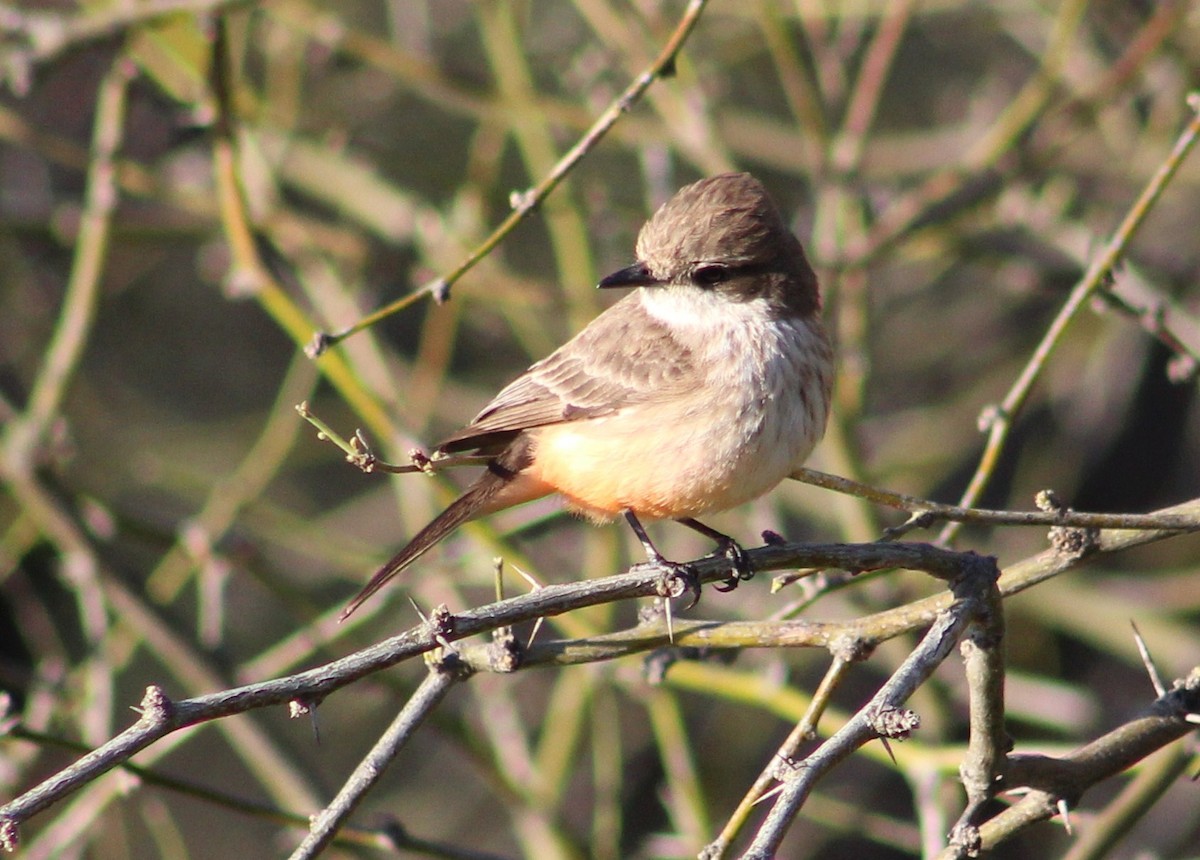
(710, 274)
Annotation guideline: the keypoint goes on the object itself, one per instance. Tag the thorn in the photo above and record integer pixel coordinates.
(439, 624)
(1065, 811)
(887, 746)
(767, 795)
(667, 611)
(537, 628)
(534, 585)
(675, 580)
(1156, 679)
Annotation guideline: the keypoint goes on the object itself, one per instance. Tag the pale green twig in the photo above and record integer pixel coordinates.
(525, 202)
(997, 419)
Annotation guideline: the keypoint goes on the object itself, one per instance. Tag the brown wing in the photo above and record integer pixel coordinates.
(624, 356)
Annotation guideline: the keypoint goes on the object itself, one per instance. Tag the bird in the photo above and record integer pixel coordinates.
(701, 389)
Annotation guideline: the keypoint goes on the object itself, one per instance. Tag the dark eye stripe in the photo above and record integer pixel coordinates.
(711, 274)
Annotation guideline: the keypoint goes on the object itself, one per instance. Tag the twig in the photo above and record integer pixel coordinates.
(925, 512)
(1056, 782)
(391, 836)
(162, 716)
(248, 273)
(47, 34)
(1161, 317)
(988, 743)
(997, 420)
(46, 509)
(527, 201)
(873, 719)
(91, 248)
(152, 777)
(359, 453)
(443, 675)
(1154, 777)
(803, 732)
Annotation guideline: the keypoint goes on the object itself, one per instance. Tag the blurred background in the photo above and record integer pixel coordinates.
(952, 168)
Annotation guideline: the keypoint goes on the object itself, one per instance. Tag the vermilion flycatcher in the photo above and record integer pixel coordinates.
(700, 390)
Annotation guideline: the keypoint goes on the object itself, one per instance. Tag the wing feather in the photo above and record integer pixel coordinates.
(623, 357)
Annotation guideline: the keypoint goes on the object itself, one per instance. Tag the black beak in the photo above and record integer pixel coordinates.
(636, 275)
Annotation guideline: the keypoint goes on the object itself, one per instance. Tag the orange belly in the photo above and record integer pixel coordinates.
(602, 468)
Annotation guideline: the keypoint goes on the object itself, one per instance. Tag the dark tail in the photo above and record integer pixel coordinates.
(464, 508)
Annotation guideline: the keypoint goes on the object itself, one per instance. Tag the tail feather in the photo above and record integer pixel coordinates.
(464, 508)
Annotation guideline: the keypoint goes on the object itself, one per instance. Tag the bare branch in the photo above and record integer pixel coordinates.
(970, 603)
(443, 675)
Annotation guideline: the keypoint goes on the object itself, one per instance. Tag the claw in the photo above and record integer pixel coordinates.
(673, 573)
(727, 548)
(742, 570)
(686, 577)
(676, 581)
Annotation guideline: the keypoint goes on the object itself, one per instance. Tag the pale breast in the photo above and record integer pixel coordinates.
(754, 413)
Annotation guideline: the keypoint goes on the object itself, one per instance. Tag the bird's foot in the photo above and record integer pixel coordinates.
(730, 549)
(677, 580)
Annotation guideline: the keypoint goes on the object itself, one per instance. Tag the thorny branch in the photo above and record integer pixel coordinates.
(1056, 784)
(161, 716)
(976, 601)
(443, 675)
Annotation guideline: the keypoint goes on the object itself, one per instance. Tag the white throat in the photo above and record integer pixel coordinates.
(693, 308)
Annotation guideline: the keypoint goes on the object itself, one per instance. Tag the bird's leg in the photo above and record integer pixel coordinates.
(675, 571)
(727, 547)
